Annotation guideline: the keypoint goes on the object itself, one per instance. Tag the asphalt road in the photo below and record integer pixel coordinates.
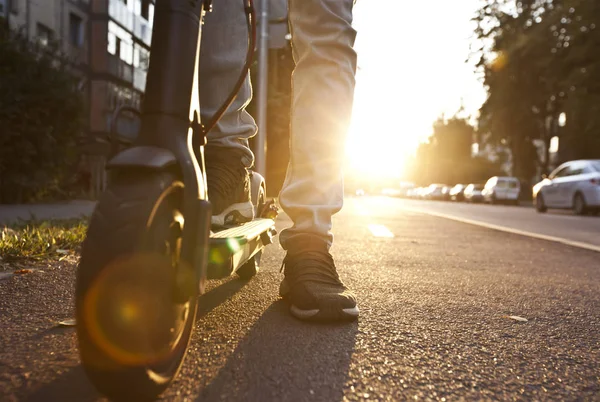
(560, 224)
(435, 296)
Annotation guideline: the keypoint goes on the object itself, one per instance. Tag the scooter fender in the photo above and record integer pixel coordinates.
(256, 181)
(143, 157)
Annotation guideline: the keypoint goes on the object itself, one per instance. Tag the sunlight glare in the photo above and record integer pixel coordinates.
(408, 75)
(380, 231)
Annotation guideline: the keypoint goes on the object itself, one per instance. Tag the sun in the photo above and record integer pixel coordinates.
(408, 76)
(371, 158)
(381, 139)
(387, 127)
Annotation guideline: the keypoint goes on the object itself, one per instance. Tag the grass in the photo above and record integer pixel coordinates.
(35, 241)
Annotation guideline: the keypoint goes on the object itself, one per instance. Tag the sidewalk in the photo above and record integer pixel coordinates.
(67, 210)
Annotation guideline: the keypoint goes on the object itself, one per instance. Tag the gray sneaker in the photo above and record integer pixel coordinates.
(228, 188)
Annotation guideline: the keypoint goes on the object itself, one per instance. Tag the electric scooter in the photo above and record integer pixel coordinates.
(150, 248)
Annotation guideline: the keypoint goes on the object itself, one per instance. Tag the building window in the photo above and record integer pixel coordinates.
(141, 57)
(14, 6)
(118, 47)
(120, 43)
(112, 43)
(2, 8)
(145, 12)
(44, 34)
(75, 30)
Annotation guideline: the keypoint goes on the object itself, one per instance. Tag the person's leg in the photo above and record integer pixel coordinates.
(227, 154)
(323, 89)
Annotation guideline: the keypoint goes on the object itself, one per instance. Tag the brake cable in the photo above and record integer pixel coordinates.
(250, 12)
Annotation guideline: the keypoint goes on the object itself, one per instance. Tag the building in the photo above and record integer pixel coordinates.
(108, 43)
(52, 20)
(120, 32)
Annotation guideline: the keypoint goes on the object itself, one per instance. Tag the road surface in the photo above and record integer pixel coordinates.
(555, 224)
(435, 297)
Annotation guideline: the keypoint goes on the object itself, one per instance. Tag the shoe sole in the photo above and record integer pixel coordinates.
(319, 315)
(346, 314)
(242, 213)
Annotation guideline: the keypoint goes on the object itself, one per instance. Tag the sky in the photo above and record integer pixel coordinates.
(411, 60)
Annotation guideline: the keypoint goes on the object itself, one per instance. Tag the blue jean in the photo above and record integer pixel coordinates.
(322, 95)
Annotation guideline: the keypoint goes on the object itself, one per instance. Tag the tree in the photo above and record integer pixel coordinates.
(41, 115)
(539, 59)
(446, 157)
(579, 36)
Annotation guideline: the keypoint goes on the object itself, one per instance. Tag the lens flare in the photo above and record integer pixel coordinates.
(216, 256)
(129, 310)
(233, 245)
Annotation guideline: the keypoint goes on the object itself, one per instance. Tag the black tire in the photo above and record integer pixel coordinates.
(579, 206)
(540, 205)
(132, 335)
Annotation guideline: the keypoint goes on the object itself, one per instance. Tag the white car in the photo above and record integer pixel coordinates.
(573, 185)
(473, 193)
(501, 189)
(435, 192)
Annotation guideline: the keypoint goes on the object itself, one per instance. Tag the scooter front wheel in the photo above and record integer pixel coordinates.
(132, 335)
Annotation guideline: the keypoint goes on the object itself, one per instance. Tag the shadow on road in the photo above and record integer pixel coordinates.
(281, 358)
(215, 297)
(71, 386)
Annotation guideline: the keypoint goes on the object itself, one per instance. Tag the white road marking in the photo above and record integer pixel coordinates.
(540, 236)
(380, 231)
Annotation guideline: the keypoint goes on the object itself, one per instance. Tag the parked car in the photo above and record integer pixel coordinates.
(418, 192)
(457, 193)
(406, 188)
(472, 193)
(412, 193)
(435, 192)
(446, 193)
(501, 189)
(573, 185)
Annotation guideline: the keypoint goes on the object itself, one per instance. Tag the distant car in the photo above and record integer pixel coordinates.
(413, 193)
(446, 193)
(418, 193)
(435, 192)
(406, 188)
(573, 185)
(472, 193)
(457, 193)
(502, 189)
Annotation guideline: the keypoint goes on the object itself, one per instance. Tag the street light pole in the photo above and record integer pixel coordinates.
(262, 90)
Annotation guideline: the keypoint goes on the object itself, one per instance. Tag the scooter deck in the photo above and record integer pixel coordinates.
(231, 248)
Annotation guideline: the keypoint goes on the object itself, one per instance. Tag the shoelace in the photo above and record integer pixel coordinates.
(316, 266)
